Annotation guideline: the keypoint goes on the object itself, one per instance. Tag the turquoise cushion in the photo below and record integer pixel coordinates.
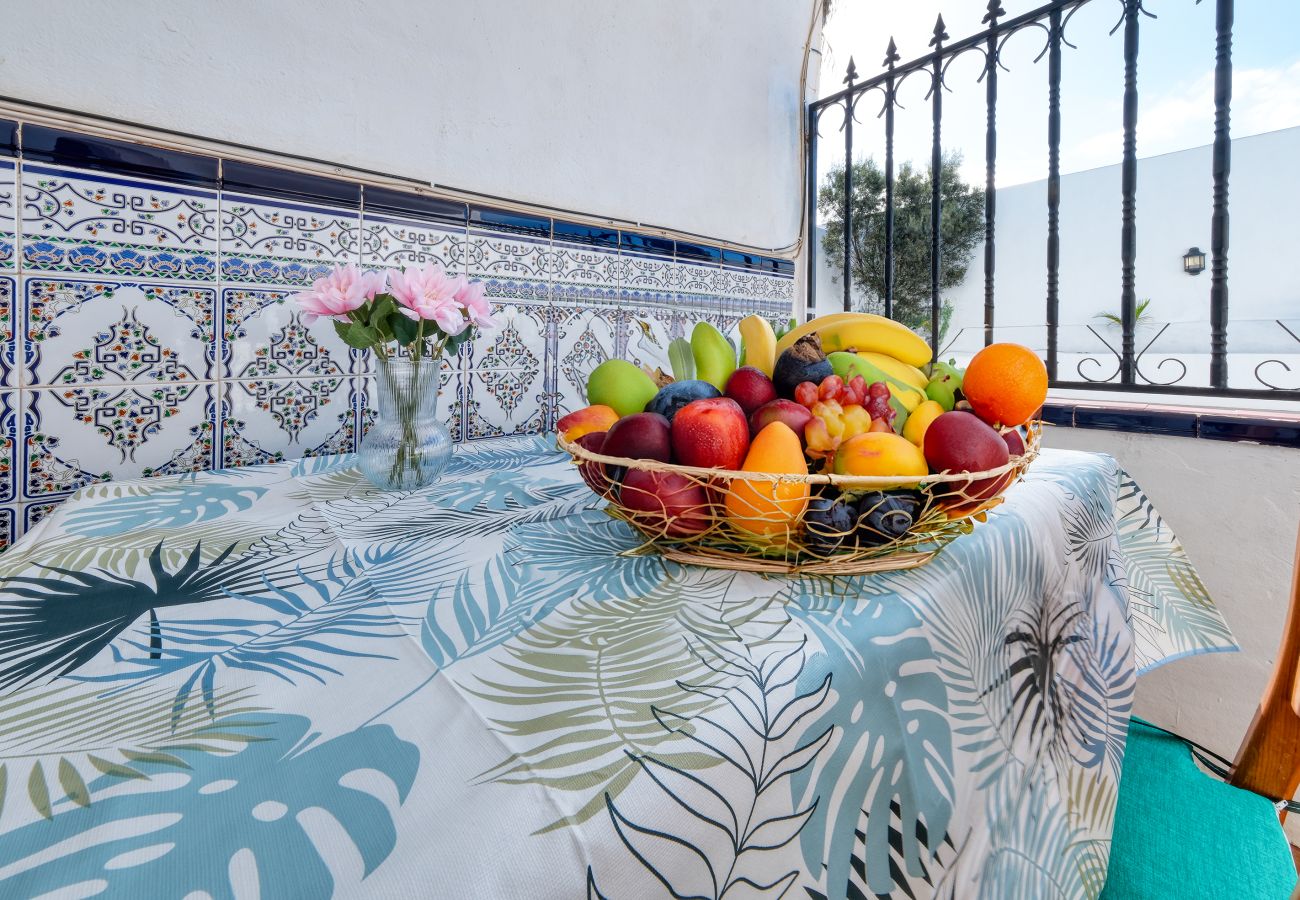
(1181, 833)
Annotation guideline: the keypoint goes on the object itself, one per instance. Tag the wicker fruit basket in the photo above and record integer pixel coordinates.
(759, 522)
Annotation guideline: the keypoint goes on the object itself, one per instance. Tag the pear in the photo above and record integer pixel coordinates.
(715, 358)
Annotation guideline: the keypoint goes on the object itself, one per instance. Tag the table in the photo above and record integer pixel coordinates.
(277, 681)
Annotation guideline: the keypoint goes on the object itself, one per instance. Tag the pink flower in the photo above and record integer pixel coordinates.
(338, 293)
(428, 292)
(471, 296)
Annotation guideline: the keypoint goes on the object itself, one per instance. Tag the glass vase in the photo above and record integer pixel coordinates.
(407, 447)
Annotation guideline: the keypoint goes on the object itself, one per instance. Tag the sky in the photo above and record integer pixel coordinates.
(1175, 82)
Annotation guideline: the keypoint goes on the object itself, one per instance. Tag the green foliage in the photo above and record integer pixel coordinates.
(1141, 318)
(381, 321)
(961, 228)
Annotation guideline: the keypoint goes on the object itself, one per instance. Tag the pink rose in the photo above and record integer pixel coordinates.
(338, 293)
(471, 295)
(428, 292)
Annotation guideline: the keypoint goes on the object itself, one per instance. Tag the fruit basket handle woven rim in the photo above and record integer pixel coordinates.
(851, 482)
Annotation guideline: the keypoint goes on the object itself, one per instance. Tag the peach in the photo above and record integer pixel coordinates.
(881, 453)
(596, 417)
(711, 434)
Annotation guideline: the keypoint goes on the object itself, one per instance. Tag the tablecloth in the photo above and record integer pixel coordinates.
(278, 682)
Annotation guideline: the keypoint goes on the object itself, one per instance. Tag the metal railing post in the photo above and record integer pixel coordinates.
(990, 161)
(848, 187)
(1222, 165)
(936, 180)
(1053, 188)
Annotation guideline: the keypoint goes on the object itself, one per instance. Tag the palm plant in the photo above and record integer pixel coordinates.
(52, 626)
(1140, 319)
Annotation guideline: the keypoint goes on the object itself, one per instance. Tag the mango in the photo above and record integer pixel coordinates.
(917, 423)
(715, 358)
(585, 421)
(621, 386)
(882, 453)
(770, 509)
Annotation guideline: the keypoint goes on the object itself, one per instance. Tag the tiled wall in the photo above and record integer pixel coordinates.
(144, 327)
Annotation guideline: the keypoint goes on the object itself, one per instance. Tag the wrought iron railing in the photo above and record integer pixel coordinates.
(1052, 18)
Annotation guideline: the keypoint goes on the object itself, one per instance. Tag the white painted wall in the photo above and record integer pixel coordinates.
(682, 115)
(1236, 508)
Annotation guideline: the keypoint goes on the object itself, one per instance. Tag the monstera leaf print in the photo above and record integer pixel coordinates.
(589, 555)
(597, 671)
(506, 455)
(55, 741)
(892, 710)
(497, 491)
(731, 823)
(279, 808)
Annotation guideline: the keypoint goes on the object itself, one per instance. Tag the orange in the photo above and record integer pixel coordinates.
(1005, 384)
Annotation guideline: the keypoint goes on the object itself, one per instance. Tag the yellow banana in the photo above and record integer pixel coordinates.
(897, 369)
(909, 398)
(879, 335)
(816, 325)
(760, 344)
(862, 332)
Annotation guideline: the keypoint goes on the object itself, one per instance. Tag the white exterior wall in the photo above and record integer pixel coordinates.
(684, 117)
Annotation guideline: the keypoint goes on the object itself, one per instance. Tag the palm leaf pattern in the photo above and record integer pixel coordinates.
(1174, 613)
(729, 821)
(81, 734)
(599, 669)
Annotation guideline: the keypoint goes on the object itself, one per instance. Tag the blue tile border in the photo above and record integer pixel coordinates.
(499, 220)
(593, 236)
(406, 205)
(67, 148)
(247, 178)
(8, 138)
(1257, 427)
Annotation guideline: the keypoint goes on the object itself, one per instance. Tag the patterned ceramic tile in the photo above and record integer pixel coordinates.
(519, 342)
(644, 279)
(111, 332)
(8, 525)
(270, 419)
(80, 434)
(10, 347)
(265, 241)
(390, 242)
(645, 333)
(75, 221)
(505, 402)
(511, 267)
(585, 336)
(31, 514)
(264, 336)
(10, 435)
(581, 273)
(8, 214)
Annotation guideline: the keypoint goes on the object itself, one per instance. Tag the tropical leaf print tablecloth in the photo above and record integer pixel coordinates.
(278, 682)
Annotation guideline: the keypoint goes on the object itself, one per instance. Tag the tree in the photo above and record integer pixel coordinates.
(961, 227)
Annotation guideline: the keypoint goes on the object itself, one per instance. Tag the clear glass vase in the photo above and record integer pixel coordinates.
(407, 447)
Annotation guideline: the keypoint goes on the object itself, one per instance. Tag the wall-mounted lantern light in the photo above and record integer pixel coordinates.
(1194, 261)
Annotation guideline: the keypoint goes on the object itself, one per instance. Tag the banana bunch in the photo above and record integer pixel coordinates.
(874, 347)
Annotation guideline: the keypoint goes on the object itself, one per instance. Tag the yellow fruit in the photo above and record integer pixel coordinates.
(877, 334)
(816, 325)
(770, 509)
(898, 369)
(881, 453)
(760, 344)
(919, 420)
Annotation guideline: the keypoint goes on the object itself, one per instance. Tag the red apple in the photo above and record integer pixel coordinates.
(1015, 441)
(665, 502)
(959, 441)
(792, 414)
(751, 388)
(593, 473)
(711, 434)
(642, 435)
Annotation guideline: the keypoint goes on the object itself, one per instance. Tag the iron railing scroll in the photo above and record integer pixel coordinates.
(1053, 19)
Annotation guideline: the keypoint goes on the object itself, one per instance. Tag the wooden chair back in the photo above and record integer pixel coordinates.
(1268, 761)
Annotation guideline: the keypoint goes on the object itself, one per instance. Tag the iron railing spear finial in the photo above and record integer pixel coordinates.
(940, 35)
(891, 53)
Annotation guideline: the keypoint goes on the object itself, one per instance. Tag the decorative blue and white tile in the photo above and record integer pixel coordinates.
(505, 402)
(278, 242)
(518, 343)
(271, 419)
(390, 242)
(646, 332)
(8, 215)
(10, 346)
(581, 273)
(80, 221)
(111, 332)
(585, 336)
(264, 336)
(9, 516)
(644, 279)
(32, 514)
(80, 434)
(511, 267)
(11, 420)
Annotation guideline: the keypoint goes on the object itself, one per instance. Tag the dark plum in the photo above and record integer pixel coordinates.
(674, 396)
(886, 516)
(804, 361)
(829, 521)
